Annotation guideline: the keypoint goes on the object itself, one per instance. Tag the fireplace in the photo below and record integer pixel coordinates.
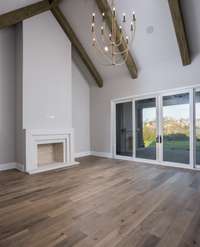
(48, 150)
(50, 153)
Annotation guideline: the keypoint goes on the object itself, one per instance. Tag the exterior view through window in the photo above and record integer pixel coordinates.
(198, 128)
(145, 114)
(176, 128)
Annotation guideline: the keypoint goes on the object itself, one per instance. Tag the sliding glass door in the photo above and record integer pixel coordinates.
(124, 129)
(176, 128)
(146, 128)
(164, 128)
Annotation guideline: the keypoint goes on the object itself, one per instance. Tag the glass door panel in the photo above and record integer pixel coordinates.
(146, 128)
(124, 129)
(197, 110)
(176, 128)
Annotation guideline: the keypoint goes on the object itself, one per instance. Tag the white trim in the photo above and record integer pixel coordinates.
(158, 95)
(7, 166)
(34, 137)
(20, 167)
(113, 126)
(195, 137)
(82, 154)
(192, 127)
(128, 158)
(171, 93)
(52, 167)
(167, 91)
(102, 154)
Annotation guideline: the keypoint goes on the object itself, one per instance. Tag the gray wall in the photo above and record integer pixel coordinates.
(48, 86)
(156, 54)
(165, 75)
(20, 133)
(7, 95)
(46, 74)
(80, 111)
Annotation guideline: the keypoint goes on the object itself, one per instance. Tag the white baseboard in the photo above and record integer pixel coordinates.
(8, 166)
(12, 165)
(82, 154)
(102, 154)
(93, 153)
(52, 167)
(20, 167)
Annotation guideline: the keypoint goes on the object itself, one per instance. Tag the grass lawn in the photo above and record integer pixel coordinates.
(178, 145)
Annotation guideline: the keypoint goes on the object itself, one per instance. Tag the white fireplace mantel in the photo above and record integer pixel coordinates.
(35, 137)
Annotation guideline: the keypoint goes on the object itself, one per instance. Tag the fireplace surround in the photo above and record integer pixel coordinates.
(48, 150)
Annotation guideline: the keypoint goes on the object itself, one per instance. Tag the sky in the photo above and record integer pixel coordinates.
(176, 112)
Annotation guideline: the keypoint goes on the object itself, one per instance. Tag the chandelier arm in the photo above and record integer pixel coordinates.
(108, 40)
(101, 50)
(126, 50)
(104, 41)
(109, 59)
(99, 45)
(109, 64)
(122, 52)
(124, 61)
(117, 44)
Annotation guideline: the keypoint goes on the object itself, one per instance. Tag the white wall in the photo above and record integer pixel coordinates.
(7, 95)
(80, 111)
(165, 75)
(46, 74)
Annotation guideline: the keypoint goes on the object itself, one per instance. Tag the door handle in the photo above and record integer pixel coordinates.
(158, 139)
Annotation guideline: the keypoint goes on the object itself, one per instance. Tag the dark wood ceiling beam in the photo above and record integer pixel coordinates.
(77, 44)
(179, 26)
(104, 7)
(16, 16)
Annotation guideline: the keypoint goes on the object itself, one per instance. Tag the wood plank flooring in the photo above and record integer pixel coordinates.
(101, 203)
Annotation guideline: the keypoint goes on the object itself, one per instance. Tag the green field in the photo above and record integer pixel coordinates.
(178, 145)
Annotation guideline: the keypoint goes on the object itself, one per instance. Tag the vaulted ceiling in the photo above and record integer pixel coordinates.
(155, 41)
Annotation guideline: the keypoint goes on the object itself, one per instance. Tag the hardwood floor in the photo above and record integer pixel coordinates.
(101, 203)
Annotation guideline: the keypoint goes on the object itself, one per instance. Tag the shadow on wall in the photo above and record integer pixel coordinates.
(82, 67)
(190, 11)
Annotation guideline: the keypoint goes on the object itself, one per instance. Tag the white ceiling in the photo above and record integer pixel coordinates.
(9, 5)
(148, 49)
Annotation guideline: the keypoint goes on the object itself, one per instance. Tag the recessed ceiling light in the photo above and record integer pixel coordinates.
(150, 29)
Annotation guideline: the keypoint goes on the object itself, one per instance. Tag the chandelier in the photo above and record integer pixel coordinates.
(113, 45)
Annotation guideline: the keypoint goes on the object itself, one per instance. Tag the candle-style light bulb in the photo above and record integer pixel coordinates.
(120, 29)
(134, 17)
(127, 39)
(93, 41)
(93, 17)
(103, 16)
(114, 11)
(124, 17)
(106, 49)
(110, 36)
(102, 30)
(131, 26)
(93, 25)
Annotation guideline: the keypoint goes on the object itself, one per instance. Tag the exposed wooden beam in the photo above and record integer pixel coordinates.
(77, 44)
(16, 16)
(104, 7)
(178, 20)
(55, 2)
